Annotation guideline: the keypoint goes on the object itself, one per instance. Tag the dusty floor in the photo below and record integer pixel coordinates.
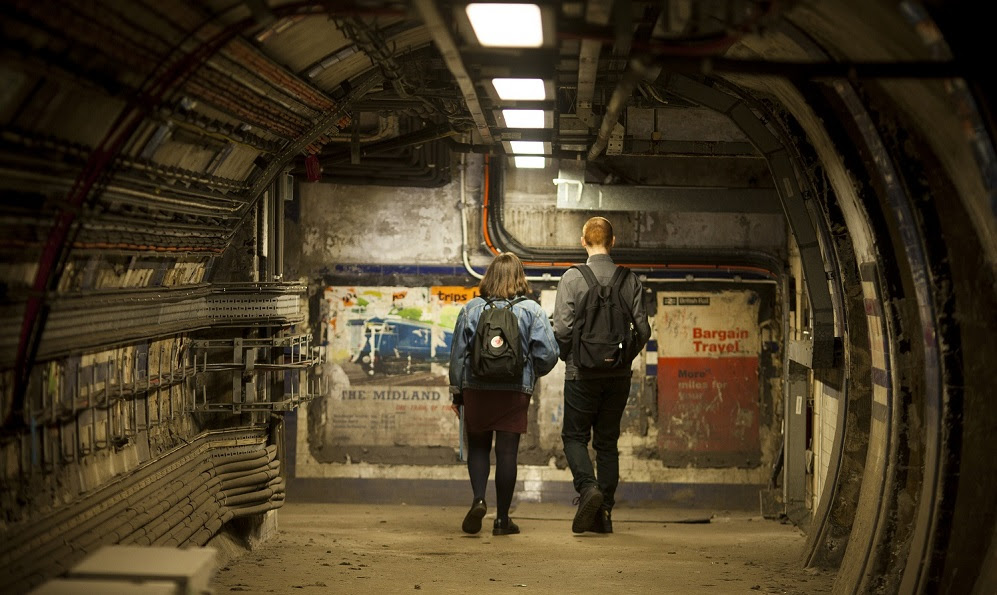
(355, 548)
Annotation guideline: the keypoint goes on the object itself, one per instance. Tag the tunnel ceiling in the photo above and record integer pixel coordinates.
(382, 92)
(375, 90)
(138, 138)
(121, 116)
(143, 128)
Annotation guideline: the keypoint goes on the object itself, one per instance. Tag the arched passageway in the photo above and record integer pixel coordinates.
(235, 236)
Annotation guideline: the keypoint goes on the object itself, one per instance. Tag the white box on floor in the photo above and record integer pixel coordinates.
(80, 586)
(190, 569)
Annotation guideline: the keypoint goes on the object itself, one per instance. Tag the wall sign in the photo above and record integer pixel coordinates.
(389, 353)
(708, 347)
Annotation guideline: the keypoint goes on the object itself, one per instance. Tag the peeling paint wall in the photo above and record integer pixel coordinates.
(393, 420)
(531, 215)
(385, 413)
(374, 224)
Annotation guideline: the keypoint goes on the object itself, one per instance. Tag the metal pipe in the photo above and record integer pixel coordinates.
(20, 538)
(413, 138)
(439, 29)
(206, 509)
(637, 70)
(463, 219)
(253, 510)
(122, 404)
(148, 389)
(210, 529)
(92, 406)
(60, 532)
(251, 497)
(135, 519)
(185, 176)
(59, 535)
(107, 403)
(254, 478)
(241, 466)
(133, 418)
(191, 506)
(159, 386)
(170, 392)
(113, 190)
(64, 231)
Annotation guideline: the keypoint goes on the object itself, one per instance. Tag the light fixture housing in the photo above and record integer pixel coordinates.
(506, 25)
(530, 161)
(524, 118)
(526, 147)
(516, 89)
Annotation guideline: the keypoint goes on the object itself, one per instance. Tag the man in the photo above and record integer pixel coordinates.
(594, 400)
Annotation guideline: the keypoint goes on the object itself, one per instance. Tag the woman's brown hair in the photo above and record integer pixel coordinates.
(504, 278)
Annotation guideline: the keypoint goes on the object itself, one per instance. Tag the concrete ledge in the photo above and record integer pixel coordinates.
(67, 586)
(190, 569)
(458, 493)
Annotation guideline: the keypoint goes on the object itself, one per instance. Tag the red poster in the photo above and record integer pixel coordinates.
(708, 391)
(708, 410)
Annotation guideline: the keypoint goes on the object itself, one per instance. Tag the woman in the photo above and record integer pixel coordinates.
(498, 408)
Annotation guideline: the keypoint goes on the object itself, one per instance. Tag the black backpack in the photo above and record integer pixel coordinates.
(603, 335)
(496, 351)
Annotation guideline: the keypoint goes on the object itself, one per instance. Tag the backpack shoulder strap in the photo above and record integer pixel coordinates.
(491, 302)
(587, 273)
(619, 276)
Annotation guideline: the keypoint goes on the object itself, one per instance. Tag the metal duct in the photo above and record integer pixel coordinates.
(440, 30)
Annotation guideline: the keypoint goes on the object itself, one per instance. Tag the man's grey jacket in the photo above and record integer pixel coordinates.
(570, 290)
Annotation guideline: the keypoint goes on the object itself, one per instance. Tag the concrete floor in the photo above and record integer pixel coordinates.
(357, 548)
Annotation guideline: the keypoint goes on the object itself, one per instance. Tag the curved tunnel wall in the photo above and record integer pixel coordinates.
(907, 165)
(922, 268)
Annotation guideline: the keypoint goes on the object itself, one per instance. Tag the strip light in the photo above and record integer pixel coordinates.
(520, 89)
(523, 118)
(530, 161)
(527, 147)
(507, 25)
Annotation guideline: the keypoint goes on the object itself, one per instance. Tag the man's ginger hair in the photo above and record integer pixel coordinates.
(598, 231)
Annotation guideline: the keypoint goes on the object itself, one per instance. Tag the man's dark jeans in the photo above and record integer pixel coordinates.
(593, 407)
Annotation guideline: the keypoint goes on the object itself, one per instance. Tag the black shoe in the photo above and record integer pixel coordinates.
(505, 527)
(603, 521)
(589, 502)
(472, 521)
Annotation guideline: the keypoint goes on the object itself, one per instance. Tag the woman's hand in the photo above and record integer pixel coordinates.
(455, 408)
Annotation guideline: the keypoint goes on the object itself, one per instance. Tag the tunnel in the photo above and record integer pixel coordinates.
(237, 234)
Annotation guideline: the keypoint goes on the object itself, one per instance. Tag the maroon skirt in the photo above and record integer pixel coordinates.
(503, 410)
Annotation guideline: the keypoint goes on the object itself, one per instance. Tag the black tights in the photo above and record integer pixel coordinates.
(479, 462)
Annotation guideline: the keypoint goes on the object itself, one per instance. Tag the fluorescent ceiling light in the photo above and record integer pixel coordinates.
(520, 89)
(530, 162)
(527, 147)
(506, 25)
(523, 118)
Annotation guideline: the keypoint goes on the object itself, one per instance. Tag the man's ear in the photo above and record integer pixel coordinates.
(584, 245)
